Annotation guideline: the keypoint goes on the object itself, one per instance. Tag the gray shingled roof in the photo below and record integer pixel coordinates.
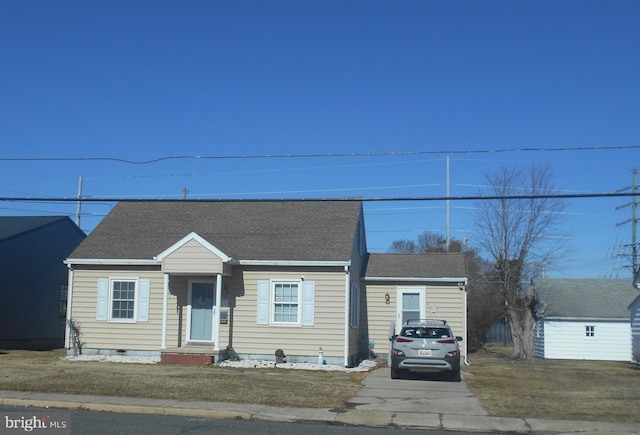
(261, 230)
(11, 226)
(586, 298)
(434, 265)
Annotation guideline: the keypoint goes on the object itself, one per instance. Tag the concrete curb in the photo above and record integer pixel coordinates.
(352, 417)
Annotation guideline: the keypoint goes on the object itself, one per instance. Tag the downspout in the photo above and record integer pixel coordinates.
(67, 327)
(216, 323)
(347, 298)
(165, 311)
(466, 335)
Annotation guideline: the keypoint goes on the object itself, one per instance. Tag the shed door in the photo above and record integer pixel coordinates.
(201, 302)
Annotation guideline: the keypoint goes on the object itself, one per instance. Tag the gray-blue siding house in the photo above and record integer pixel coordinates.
(33, 279)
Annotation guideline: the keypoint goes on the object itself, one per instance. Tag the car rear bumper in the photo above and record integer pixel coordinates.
(426, 364)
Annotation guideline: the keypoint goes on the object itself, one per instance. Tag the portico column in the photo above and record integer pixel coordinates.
(165, 311)
(216, 323)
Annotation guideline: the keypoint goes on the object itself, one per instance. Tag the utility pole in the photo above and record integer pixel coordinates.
(635, 200)
(448, 242)
(79, 206)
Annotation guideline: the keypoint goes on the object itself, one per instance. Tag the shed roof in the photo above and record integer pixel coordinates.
(244, 230)
(585, 298)
(425, 266)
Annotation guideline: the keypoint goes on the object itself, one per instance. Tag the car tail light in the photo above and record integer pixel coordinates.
(453, 354)
(447, 341)
(403, 340)
(397, 352)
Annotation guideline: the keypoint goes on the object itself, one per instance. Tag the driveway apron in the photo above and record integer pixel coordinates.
(419, 394)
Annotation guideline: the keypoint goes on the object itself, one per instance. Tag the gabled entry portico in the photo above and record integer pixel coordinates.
(203, 265)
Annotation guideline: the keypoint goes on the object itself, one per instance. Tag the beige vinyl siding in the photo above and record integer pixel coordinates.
(192, 257)
(449, 301)
(145, 336)
(328, 329)
(380, 315)
(446, 298)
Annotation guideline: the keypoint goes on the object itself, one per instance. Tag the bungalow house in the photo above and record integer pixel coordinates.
(33, 279)
(191, 280)
(584, 319)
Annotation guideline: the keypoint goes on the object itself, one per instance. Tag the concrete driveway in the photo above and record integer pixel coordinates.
(422, 393)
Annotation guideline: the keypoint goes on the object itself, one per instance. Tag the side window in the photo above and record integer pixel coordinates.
(590, 331)
(354, 309)
(62, 301)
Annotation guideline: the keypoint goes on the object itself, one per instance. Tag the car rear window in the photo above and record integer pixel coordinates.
(425, 332)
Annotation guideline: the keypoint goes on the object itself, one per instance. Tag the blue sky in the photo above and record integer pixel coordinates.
(142, 80)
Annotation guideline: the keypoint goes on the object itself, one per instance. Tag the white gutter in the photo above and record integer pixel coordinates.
(292, 263)
(347, 298)
(67, 327)
(413, 279)
(111, 262)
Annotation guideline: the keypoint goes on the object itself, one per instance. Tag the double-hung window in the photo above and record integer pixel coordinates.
(123, 299)
(283, 302)
(286, 302)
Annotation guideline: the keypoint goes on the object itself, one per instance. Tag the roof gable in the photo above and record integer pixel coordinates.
(243, 230)
(585, 298)
(188, 238)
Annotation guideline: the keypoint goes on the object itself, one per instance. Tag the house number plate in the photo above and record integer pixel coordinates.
(424, 352)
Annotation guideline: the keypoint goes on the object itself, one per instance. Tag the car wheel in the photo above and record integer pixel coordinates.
(396, 373)
(455, 376)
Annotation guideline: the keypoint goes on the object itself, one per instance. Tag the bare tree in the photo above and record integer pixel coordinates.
(519, 229)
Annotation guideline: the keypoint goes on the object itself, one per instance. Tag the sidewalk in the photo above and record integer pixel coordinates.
(366, 409)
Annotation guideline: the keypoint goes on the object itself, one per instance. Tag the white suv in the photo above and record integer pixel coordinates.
(425, 345)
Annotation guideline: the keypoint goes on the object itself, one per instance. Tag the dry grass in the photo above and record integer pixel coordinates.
(46, 372)
(555, 389)
(580, 390)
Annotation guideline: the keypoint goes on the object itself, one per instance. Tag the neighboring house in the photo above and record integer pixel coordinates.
(33, 279)
(401, 287)
(634, 311)
(186, 280)
(584, 319)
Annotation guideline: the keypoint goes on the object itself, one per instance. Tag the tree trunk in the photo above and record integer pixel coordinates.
(522, 326)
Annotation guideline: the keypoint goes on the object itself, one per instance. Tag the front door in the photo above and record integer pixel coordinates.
(411, 305)
(201, 302)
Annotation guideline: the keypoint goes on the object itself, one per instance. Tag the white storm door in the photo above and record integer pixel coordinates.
(201, 312)
(412, 305)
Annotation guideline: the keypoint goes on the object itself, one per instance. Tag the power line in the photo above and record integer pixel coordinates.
(343, 199)
(322, 155)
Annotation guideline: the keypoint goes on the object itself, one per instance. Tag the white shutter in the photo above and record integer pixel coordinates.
(102, 303)
(263, 303)
(143, 299)
(308, 303)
